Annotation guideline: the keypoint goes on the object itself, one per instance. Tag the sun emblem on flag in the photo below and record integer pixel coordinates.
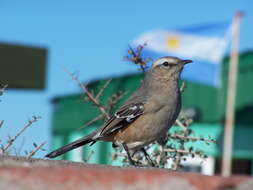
(172, 42)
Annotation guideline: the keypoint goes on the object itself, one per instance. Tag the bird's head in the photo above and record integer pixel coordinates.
(168, 67)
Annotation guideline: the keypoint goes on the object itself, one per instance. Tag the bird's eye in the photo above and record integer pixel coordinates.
(166, 64)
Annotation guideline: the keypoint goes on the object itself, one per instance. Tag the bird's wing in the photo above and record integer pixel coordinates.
(122, 118)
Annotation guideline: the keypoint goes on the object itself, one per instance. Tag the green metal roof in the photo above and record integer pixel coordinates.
(71, 112)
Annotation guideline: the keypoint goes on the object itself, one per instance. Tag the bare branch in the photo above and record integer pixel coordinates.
(183, 86)
(184, 151)
(192, 138)
(176, 150)
(2, 89)
(177, 161)
(89, 95)
(33, 152)
(91, 121)
(136, 57)
(179, 123)
(89, 156)
(114, 99)
(10, 142)
(1, 123)
(102, 89)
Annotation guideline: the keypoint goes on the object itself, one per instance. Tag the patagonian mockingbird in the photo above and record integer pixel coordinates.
(146, 116)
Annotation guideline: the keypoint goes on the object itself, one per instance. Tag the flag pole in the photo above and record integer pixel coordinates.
(231, 97)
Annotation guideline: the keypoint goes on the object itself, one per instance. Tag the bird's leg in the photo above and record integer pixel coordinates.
(147, 157)
(128, 154)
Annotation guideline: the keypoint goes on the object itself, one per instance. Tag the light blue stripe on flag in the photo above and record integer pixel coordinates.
(212, 29)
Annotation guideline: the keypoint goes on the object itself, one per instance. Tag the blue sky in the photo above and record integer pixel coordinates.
(90, 38)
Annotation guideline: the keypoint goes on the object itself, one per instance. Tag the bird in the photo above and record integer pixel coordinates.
(147, 114)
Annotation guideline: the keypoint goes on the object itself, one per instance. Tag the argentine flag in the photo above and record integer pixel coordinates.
(204, 44)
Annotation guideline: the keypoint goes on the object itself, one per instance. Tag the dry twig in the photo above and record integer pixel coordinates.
(96, 99)
(99, 117)
(2, 89)
(135, 56)
(102, 89)
(183, 87)
(89, 95)
(114, 99)
(1, 123)
(11, 140)
(180, 124)
(187, 138)
(37, 148)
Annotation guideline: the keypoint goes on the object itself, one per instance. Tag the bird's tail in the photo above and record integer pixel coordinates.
(71, 146)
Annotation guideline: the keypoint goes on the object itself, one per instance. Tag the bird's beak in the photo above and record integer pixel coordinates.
(186, 61)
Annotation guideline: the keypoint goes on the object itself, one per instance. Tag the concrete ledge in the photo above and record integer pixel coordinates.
(17, 173)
